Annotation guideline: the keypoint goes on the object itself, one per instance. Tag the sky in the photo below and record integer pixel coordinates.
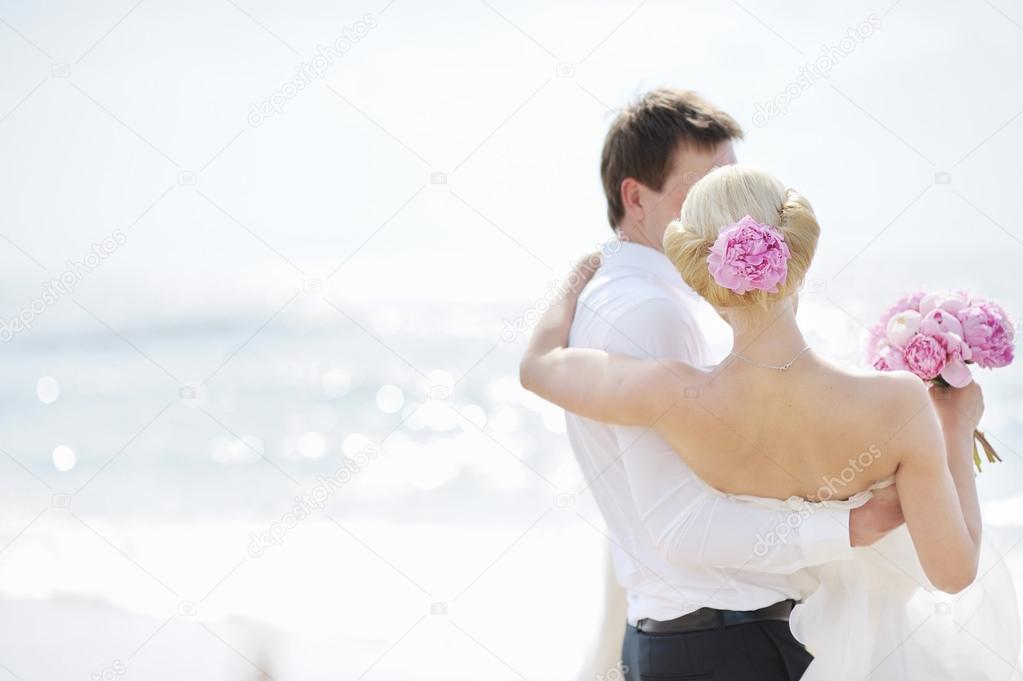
(450, 153)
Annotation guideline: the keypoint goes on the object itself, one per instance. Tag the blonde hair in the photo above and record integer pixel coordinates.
(724, 197)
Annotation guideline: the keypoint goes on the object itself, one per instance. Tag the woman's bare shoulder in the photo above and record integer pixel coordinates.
(903, 387)
(897, 385)
(887, 396)
(894, 384)
(897, 407)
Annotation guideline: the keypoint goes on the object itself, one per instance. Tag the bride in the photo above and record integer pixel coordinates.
(775, 424)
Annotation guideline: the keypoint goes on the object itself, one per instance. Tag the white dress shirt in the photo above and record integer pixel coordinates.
(677, 544)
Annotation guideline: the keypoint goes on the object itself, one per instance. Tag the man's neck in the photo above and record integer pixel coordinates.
(635, 235)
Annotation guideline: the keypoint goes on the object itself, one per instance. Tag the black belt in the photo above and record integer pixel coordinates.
(706, 619)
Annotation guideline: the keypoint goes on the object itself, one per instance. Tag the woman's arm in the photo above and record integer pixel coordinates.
(613, 388)
(937, 484)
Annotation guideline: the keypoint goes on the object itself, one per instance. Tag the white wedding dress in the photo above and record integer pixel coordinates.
(876, 617)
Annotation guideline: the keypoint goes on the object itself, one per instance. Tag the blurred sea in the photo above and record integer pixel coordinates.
(430, 478)
(160, 522)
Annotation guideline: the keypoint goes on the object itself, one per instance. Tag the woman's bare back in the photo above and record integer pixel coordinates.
(814, 431)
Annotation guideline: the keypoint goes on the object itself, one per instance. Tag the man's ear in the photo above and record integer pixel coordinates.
(631, 199)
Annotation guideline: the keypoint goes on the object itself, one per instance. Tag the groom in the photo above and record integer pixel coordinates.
(721, 615)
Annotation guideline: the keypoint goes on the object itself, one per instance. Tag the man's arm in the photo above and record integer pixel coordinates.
(691, 523)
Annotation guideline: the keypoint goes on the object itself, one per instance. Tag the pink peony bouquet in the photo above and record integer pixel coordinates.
(937, 336)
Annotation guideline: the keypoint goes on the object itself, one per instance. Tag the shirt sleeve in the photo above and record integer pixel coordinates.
(688, 521)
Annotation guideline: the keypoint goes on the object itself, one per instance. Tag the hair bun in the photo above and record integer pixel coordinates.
(714, 205)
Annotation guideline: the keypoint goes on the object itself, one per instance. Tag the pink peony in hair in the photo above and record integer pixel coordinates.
(749, 255)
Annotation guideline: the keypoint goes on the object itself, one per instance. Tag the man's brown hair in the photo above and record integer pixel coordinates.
(642, 140)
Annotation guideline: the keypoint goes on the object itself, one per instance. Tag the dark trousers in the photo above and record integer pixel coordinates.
(759, 651)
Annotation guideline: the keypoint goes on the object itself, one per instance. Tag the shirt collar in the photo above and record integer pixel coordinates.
(626, 255)
(622, 256)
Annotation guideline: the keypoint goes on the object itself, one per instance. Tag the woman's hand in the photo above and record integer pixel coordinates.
(551, 333)
(582, 272)
(959, 409)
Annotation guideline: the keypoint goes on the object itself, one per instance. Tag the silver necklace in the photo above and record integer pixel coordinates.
(776, 367)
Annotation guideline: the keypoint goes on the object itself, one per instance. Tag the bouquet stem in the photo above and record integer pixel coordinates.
(989, 451)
